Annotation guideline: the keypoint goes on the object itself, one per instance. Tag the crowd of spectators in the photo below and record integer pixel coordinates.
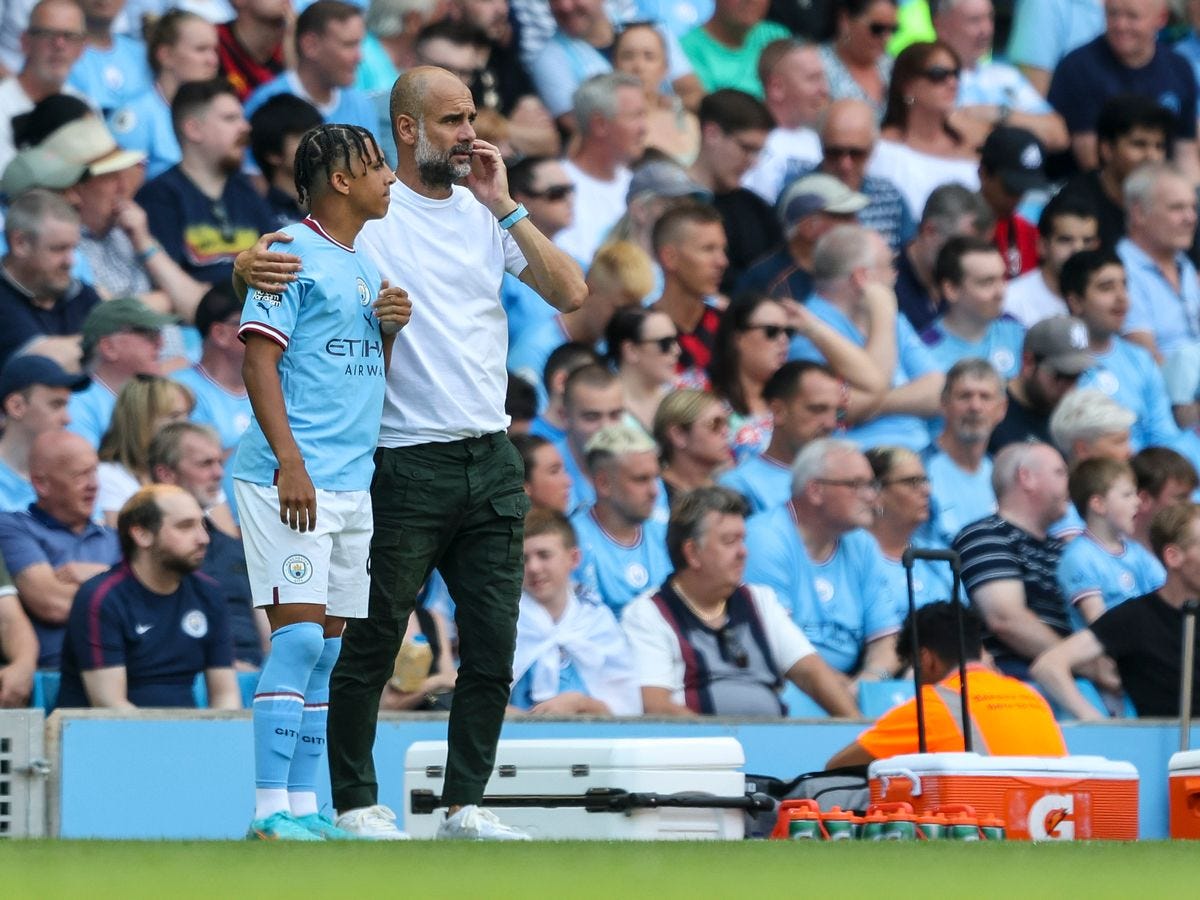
(862, 275)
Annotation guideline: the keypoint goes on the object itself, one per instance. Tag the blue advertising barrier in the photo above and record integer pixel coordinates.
(175, 776)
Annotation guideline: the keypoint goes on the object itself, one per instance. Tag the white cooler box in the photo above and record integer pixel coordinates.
(569, 768)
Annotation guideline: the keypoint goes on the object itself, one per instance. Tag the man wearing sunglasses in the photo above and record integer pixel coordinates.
(51, 44)
(849, 131)
(709, 643)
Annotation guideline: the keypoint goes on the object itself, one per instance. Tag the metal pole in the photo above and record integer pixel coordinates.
(907, 560)
(1187, 672)
(968, 743)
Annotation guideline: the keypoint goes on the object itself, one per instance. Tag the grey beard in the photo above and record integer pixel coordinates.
(434, 168)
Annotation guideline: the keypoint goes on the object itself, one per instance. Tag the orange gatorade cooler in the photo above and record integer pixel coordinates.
(1038, 798)
(1183, 796)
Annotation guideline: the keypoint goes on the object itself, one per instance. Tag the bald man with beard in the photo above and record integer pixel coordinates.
(448, 487)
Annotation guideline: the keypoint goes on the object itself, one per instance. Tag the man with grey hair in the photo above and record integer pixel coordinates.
(825, 567)
(624, 547)
(852, 269)
(1164, 294)
(951, 210)
(610, 112)
(957, 462)
(708, 642)
(41, 304)
(1009, 558)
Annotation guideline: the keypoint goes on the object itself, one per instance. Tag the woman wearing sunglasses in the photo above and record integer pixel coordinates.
(902, 507)
(643, 347)
(857, 65)
(919, 147)
(750, 345)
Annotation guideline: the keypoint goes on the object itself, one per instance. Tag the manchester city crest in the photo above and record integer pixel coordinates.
(297, 569)
(195, 623)
(364, 293)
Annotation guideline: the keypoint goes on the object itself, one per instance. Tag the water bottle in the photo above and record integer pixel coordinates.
(412, 664)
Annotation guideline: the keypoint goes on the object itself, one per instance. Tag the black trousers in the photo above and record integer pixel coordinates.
(459, 507)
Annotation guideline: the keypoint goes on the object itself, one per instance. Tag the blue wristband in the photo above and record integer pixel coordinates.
(514, 217)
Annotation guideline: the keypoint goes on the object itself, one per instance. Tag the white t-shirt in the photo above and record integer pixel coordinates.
(448, 378)
(1028, 300)
(786, 152)
(918, 174)
(598, 205)
(115, 485)
(656, 655)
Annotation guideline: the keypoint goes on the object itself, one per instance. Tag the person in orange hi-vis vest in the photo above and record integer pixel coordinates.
(1007, 717)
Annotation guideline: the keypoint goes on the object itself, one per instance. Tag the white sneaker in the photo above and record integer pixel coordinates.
(371, 823)
(472, 823)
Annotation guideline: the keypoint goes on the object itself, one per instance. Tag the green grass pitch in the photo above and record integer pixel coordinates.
(84, 870)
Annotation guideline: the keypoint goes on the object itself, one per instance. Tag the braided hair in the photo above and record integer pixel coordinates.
(324, 149)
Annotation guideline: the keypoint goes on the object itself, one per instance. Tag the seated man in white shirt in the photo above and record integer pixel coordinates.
(571, 655)
(705, 643)
(611, 112)
(1068, 224)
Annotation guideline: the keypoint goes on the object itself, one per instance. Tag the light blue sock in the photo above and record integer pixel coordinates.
(302, 776)
(279, 708)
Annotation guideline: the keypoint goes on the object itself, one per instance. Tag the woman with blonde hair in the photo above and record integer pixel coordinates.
(641, 51)
(691, 428)
(144, 405)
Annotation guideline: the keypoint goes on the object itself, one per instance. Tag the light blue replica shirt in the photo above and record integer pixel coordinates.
(1128, 374)
(331, 370)
(932, 582)
(1087, 568)
(226, 413)
(1154, 306)
(91, 411)
(16, 493)
(842, 603)
(957, 497)
(614, 572)
(529, 350)
(912, 361)
(1044, 31)
(114, 77)
(993, 83)
(1001, 345)
(764, 482)
(145, 124)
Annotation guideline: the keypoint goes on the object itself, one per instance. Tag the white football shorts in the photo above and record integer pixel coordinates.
(329, 566)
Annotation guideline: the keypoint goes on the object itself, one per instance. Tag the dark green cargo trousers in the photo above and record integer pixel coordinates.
(460, 507)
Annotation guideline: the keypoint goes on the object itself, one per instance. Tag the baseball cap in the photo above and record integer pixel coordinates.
(1016, 156)
(664, 179)
(120, 314)
(817, 193)
(1062, 343)
(21, 372)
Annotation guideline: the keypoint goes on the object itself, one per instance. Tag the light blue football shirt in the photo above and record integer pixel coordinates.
(764, 482)
(1129, 375)
(114, 77)
(841, 603)
(616, 573)
(16, 493)
(957, 498)
(331, 370)
(912, 361)
(145, 124)
(227, 413)
(1087, 568)
(91, 411)
(1001, 345)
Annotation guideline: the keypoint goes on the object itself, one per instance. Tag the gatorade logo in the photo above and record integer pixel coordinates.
(1052, 818)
